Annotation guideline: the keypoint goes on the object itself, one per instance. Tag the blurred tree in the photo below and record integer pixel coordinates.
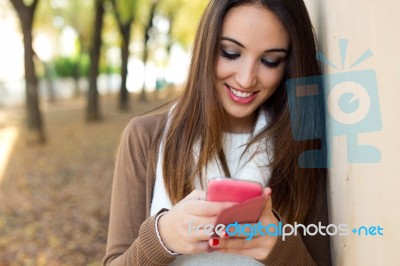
(110, 63)
(58, 16)
(79, 15)
(124, 11)
(48, 72)
(148, 26)
(93, 110)
(43, 48)
(184, 16)
(170, 9)
(26, 12)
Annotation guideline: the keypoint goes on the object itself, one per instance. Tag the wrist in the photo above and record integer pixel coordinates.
(161, 231)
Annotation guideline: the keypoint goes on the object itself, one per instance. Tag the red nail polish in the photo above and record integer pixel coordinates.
(215, 242)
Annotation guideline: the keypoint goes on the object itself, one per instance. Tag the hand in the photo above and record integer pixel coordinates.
(257, 247)
(179, 227)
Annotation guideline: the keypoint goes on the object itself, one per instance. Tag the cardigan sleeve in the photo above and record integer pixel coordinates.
(132, 237)
(305, 250)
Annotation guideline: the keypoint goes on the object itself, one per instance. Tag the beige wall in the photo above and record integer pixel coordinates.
(366, 194)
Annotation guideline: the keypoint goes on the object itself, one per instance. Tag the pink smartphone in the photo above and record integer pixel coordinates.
(231, 190)
(248, 195)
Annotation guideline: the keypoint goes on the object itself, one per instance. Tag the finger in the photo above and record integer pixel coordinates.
(195, 247)
(207, 208)
(201, 229)
(251, 241)
(235, 243)
(256, 248)
(201, 221)
(267, 210)
(200, 247)
(268, 195)
(231, 243)
(203, 234)
(248, 231)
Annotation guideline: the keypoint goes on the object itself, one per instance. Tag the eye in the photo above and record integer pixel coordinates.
(270, 64)
(229, 56)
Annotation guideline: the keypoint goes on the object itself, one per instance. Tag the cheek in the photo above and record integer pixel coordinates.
(223, 69)
(272, 79)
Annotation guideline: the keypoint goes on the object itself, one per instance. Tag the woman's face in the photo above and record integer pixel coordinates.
(251, 63)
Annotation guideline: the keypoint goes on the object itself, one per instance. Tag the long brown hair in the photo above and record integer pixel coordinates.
(199, 116)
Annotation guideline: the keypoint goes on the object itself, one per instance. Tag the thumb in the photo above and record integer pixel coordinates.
(268, 200)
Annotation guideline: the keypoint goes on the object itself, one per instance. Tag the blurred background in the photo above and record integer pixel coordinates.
(73, 73)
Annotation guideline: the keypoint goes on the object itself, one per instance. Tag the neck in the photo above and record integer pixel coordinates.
(240, 125)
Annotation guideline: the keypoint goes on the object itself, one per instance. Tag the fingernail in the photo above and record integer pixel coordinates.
(214, 242)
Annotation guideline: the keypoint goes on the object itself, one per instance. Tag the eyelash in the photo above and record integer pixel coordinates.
(229, 56)
(236, 56)
(270, 64)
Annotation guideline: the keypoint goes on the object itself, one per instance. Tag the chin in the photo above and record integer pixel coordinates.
(240, 114)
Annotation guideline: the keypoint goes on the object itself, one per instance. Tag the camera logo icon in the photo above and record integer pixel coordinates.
(346, 102)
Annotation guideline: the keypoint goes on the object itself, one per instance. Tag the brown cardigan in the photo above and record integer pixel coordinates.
(132, 239)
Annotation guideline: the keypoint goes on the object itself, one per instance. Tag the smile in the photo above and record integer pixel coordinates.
(240, 96)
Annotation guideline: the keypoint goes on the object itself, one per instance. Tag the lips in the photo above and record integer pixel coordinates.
(240, 96)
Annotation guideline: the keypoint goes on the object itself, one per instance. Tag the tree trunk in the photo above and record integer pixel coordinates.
(149, 25)
(92, 111)
(125, 30)
(33, 114)
(48, 70)
(77, 70)
(124, 95)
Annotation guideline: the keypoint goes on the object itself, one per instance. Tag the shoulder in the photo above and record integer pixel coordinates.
(148, 122)
(146, 127)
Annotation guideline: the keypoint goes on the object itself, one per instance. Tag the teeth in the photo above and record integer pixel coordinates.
(241, 94)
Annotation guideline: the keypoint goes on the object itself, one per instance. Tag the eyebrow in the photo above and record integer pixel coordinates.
(280, 50)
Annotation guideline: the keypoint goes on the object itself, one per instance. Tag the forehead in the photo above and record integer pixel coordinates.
(255, 26)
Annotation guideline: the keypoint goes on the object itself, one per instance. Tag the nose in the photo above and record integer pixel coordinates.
(246, 76)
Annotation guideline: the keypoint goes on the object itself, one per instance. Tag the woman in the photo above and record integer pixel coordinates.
(232, 120)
